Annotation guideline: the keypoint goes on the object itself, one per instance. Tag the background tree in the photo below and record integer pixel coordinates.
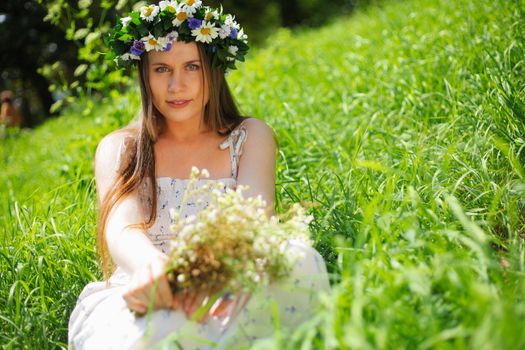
(29, 43)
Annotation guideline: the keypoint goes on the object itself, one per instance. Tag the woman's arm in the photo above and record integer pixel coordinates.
(257, 164)
(130, 248)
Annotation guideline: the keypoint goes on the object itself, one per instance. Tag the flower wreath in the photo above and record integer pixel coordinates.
(155, 27)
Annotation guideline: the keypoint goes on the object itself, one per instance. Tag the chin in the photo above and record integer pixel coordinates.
(178, 117)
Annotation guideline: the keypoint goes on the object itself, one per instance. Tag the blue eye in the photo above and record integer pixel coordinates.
(161, 69)
(193, 66)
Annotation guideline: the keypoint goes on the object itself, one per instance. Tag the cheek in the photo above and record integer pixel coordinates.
(155, 85)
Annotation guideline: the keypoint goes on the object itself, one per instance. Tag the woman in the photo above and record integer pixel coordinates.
(188, 119)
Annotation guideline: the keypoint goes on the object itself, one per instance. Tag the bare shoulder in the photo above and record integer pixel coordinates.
(256, 124)
(113, 150)
(257, 166)
(111, 157)
(114, 145)
(259, 131)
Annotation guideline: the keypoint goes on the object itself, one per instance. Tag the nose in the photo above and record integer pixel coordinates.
(176, 82)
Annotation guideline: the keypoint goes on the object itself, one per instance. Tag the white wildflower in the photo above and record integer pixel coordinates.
(172, 36)
(211, 15)
(170, 5)
(242, 36)
(224, 31)
(149, 12)
(194, 171)
(180, 17)
(230, 21)
(212, 215)
(125, 21)
(127, 56)
(191, 6)
(151, 43)
(205, 33)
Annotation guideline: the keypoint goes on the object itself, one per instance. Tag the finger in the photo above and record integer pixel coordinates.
(194, 304)
(164, 293)
(136, 305)
(220, 304)
(187, 301)
(153, 289)
(141, 295)
(220, 307)
(201, 302)
(204, 303)
(134, 296)
(177, 301)
(154, 296)
(151, 277)
(227, 309)
(138, 309)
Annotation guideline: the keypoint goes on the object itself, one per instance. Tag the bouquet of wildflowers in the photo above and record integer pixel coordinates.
(232, 245)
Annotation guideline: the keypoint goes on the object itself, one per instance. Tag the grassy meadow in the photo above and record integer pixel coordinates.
(404, 123)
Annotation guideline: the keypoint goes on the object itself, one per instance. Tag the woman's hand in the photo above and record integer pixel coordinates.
(227, 307)
(191, 302)
(149, 285)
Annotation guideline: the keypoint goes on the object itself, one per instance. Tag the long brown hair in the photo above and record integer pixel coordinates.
(220, 115)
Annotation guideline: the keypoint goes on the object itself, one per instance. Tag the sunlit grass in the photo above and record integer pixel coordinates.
(405, 123)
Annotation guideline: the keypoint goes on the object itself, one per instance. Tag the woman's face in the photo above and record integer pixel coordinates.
(178, 88)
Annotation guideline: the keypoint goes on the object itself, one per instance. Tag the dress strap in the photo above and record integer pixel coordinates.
(124, 154)
(235, 141)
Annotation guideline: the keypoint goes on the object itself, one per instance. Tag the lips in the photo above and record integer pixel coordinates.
(178, 103)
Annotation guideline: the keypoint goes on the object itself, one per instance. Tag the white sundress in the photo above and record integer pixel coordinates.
(102, 320)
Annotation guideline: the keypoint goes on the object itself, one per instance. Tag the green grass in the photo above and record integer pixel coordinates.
(405, 123)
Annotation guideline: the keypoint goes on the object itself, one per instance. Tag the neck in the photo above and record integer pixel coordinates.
(184, 132)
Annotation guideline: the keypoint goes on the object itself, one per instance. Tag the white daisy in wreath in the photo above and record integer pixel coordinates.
(180, 17)
(211, 15)
(149, 12)
(205, 33)
(191, 6)
(171, 6)
(151, 43)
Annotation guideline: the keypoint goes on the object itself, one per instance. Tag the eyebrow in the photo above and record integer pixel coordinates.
(166, 64)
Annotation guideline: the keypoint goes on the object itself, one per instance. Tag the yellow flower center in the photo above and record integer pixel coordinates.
(152, 42)
(205, 31)
(208, 16)
(181, 16)
(190, 2)
(148, 11)
(171, 9)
